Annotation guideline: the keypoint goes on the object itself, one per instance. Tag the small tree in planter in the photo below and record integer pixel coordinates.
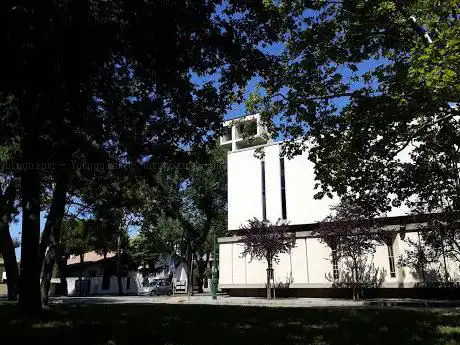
(353, 235)
(265, 241)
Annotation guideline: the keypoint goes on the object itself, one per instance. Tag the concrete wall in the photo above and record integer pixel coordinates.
(309, 263)
(96, 285)
(245, 189)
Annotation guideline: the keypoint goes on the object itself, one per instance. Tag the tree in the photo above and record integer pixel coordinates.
(104, 233)
(62, 59)
(436, 63)
(439, 242)
(206, 195)
(110, 235)
(353, 235)
(146, 248)
(51, 248)
(7, 243)
(78, 238)
(190, 205)
(265, 241)
(360, 84)
(204, 251)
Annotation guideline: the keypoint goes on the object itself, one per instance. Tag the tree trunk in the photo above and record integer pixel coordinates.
(9, 256)
(202, 264)
(7, 248)
(61, 260)
(47, 273)
(199, 279)
(355, 281)
(120, 285)
(80, 276)
(29, 284)
(189, 263)
(119, 281)
(51, 235)
(269, 280)
(446, 272)
(29, 288)
(268, 284)
(205, 265)
(52, 230)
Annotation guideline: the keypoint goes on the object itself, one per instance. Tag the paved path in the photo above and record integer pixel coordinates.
(254, 301)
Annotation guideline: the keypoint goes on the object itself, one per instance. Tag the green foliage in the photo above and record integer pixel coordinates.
(192, 206)
(437, 65)
(358, 85)
(145, 249)
(253, 105)
(77, 236)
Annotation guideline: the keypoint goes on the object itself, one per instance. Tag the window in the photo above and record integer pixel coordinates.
(283, 190)
(227, 135)
(264, 200)
(335, 264)
(391, 259)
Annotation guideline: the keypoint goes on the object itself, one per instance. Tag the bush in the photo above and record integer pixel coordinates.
(438, 285)
(368, 277)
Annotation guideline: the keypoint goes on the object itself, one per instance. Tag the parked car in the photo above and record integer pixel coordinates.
(156, 288)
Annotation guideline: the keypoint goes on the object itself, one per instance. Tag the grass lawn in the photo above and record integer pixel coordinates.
(195, 324)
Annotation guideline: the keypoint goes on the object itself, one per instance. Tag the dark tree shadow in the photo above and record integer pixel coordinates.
(198, 324)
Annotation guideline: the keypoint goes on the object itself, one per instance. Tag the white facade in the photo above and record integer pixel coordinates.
(245, 189)
(130, 284)
(309, 262)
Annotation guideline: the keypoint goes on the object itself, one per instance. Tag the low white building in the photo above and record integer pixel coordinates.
(275, 188)
(96, 275)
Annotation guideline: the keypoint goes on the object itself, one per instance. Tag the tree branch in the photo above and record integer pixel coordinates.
(417, 132)
(418, 28)
(314, 98)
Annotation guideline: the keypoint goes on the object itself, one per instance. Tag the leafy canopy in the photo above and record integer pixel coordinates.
(360, 86)
(263, 240)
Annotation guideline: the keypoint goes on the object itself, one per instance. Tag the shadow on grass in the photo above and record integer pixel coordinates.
(200, 324)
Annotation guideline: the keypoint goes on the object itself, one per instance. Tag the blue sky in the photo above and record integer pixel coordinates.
(15, 229)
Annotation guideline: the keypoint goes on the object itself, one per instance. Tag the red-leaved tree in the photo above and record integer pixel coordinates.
(263, 240)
